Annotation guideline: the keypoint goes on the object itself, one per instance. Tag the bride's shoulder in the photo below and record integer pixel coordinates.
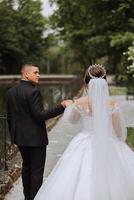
(113, 103)
(83, 105)
(82, 101)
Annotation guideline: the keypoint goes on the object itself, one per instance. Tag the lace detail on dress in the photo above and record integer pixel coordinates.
(88, 111)
(116, 108)
(83, 111)
(85, 114)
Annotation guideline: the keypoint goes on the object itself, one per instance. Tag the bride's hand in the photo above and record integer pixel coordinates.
(66, 103)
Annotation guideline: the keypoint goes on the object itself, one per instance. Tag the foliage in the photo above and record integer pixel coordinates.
(130, 53)
(95, 29)
(84, 32)
(130, 67)
(130, 138)
(60, 57)
(21, 34)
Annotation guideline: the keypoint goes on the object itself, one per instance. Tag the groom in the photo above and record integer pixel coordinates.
(26, 119)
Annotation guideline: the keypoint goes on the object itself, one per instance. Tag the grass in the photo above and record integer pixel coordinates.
(113, 90)
(130, 137)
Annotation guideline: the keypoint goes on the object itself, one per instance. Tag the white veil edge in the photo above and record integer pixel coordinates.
(100, 100)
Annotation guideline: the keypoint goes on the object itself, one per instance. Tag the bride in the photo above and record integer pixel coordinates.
(98, 164)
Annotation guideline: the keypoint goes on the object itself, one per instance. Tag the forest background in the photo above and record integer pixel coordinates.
(77, 34)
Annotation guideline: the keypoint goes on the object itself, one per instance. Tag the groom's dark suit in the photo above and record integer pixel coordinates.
(26, 118)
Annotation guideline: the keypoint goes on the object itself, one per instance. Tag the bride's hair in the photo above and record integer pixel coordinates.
(94, 71)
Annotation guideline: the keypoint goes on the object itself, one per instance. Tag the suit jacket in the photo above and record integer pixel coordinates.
(26, 115)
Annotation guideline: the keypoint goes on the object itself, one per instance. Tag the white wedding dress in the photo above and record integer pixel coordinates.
(97, 164)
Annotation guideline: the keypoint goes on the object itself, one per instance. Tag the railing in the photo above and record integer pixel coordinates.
(44, 79)
(4, 142)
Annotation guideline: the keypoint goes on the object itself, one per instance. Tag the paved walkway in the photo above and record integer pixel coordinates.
(58, 143)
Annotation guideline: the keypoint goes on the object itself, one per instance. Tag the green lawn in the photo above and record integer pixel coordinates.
(113, 90)
(130, 137)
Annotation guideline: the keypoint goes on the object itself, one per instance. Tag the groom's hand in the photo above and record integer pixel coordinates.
(66, 103)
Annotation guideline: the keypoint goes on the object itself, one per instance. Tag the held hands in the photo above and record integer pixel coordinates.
(66, 103)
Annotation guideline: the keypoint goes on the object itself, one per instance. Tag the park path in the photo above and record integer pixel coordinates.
(57, 144)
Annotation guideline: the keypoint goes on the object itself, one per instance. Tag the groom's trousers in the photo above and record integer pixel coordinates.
(32, 169)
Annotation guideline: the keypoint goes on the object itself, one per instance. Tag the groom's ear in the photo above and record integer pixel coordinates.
(26, 74)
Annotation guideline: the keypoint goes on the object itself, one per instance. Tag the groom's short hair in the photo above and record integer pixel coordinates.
(28, 65)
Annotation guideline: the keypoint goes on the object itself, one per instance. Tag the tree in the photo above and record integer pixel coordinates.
(96, 29)
(59, 58)
(130, 68)
(21, 34)
(31, 26)
(129, 54)
(9, 41)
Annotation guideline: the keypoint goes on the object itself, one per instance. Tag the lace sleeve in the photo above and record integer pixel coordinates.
(118, 123)
(70, 122)
(74, 115)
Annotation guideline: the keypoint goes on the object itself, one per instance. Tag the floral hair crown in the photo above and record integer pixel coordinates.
(96, 65)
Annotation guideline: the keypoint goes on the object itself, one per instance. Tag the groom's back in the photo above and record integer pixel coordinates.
(17, 98)
(24, 128)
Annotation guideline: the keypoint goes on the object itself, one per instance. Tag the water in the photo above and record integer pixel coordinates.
(3, 90)
(51, 94)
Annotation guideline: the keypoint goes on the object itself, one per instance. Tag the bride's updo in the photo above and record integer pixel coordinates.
(94, 71)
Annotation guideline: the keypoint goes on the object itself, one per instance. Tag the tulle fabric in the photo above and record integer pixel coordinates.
(97, 164)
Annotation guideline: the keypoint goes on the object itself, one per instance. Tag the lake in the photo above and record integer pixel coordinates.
(51, 94)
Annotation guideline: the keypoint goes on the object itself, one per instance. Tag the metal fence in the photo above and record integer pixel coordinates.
(4, 141)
